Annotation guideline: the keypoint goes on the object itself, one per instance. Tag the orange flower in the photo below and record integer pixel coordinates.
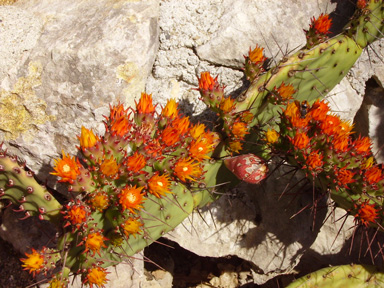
(239, 129)
(170, 136)
(299, 122)
(206, 82)
(292, 110)
(181, 124)
(96, 276)
(362, 145)
(374, 174)
(344, 176)
(94, 242)
(87, 138)
(109, 167)
(187, 169)
(300, 140)
(330, 125)
(321, 24)
(246, 116)
(170, 110)
(314, 160)
(226, 104)
(286, 91)
(367, 213)
(130, 198)
(159, 185)
(361, 4)
(120, 126)
(67, 168)
(197, 130)
(136, 162)
(319, 110)
(34, 262)
(271, 136)
(198, 149)
(117, 112)
(145, 105)
(131, 227)
(76, 214)
(153, 148)
(99, 201)
(256, 55)
(340, 143)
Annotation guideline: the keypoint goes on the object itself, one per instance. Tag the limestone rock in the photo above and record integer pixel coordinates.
(88, 54)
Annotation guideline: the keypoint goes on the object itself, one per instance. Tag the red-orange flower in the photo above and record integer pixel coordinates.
(321, 24)
(94, 242)
(187, 169)
(120, 126)
(299, 122)
(319, 110)
(286, 91)
(136, 162)
(314, 160)
(374, 174)
(116, 112)
(367, 213)
(170, 135)
(361, 4)
(330, 125)
(76, 214)
(109, 167)
(206, 82)
(362, 145)
(131, 198)
(256, 55)
(170, 110)
(301, 140)
(67, 168)
(96, 276)
(153, 148)
(340, 143)
(34, 262)
(131, 227)
(145, 105)
(159, 185)
(344, 176)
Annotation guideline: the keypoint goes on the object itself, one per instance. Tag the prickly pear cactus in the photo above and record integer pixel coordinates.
(130, 186)
(342, 276)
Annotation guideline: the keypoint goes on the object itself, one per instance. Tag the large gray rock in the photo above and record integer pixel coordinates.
(88, 54)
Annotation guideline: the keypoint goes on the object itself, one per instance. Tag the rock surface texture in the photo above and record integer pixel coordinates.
(62, 62)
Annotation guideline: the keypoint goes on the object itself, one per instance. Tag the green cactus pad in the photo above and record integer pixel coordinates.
(342, 277)
(21, 188)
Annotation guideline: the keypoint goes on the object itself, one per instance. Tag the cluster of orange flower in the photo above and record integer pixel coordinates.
(142, 154)
(235, 123)
(322, 144)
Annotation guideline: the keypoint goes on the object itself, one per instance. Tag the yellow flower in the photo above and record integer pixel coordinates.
(57, 283)
(94, 242)
(226, 104)
(131, 227)
(109, 167)
(170, 110)
(96, 276)
(159, 185)
(235, 146)
(239, 129)
(34, 262)
(271, 136)
(197, 130)
(131, 198)
(87, 138)
(67, 168)
(99, 201)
